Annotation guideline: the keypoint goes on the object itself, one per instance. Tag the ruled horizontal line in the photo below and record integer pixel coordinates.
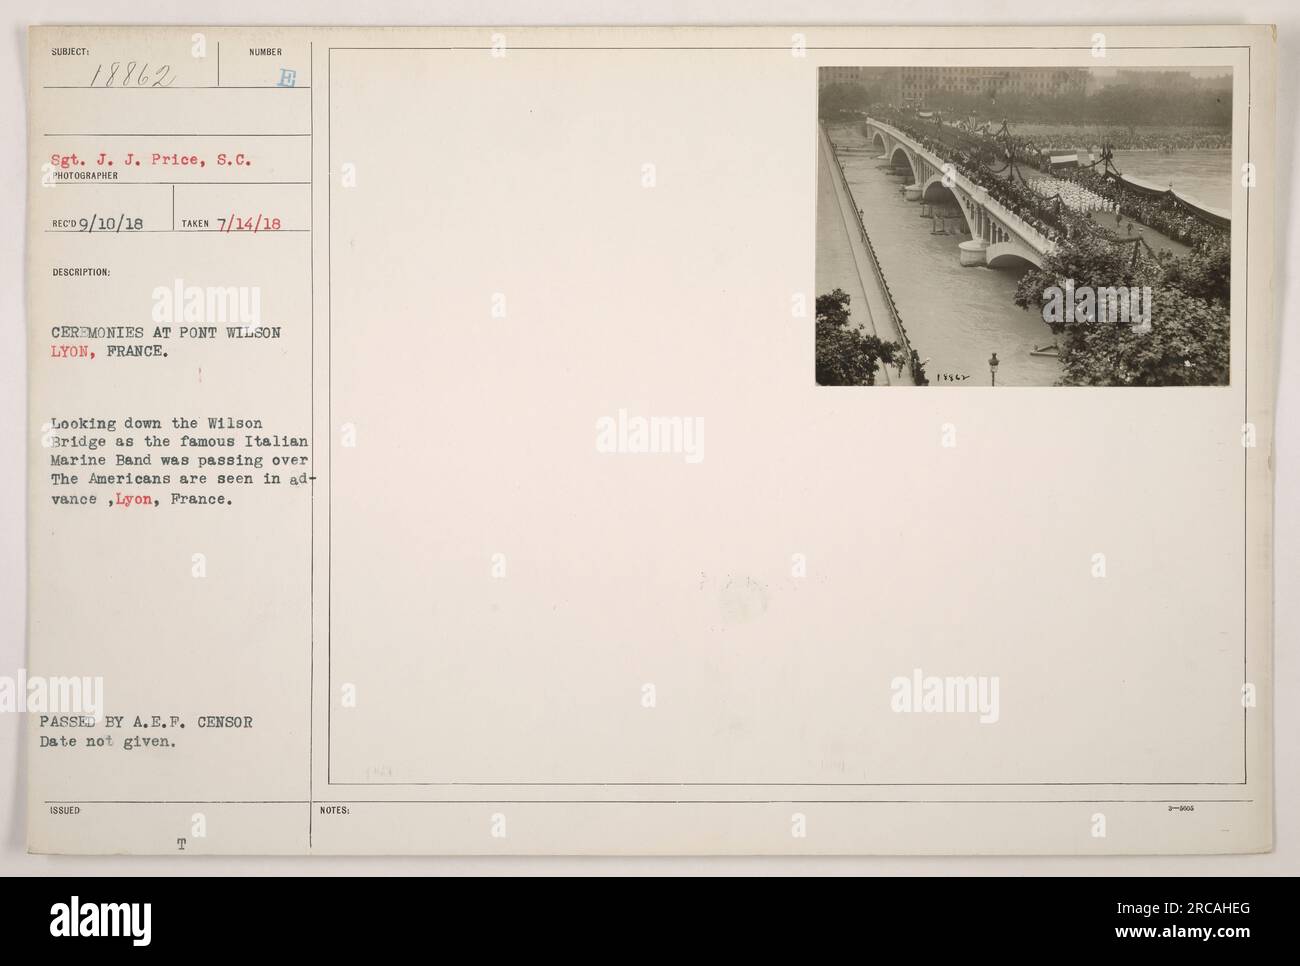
(178, 231)
(687, 801)
(174, 134)
(181, 87)
(60, 183)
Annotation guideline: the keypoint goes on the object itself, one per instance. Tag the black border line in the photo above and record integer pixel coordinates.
(311, 513)
(329, 525)
(669, 801)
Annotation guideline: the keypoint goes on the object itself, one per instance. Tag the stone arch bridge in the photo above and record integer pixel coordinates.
(998, 236)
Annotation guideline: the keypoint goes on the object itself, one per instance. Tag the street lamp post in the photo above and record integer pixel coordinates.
(993, 367)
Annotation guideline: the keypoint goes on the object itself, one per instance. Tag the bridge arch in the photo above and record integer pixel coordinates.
(935, 190)
(1008, 254)
(907, 156)
(998, 237)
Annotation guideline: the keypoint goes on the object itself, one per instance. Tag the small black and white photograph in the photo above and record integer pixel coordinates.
(1024, 226)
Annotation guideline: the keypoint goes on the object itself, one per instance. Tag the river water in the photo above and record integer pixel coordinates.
(957, 317)
(1205, 175)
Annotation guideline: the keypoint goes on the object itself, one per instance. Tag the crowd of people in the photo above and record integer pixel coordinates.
(1050, 219)
(1082, 137)
(1031, 142)
(1074, 195)
(1163, 212)
(1058, 207)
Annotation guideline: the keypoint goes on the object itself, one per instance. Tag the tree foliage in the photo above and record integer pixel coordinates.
(1205, 272)
(1188, 340)
(846, 356)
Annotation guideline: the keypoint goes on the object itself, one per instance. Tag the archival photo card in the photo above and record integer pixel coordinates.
(458, 440)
